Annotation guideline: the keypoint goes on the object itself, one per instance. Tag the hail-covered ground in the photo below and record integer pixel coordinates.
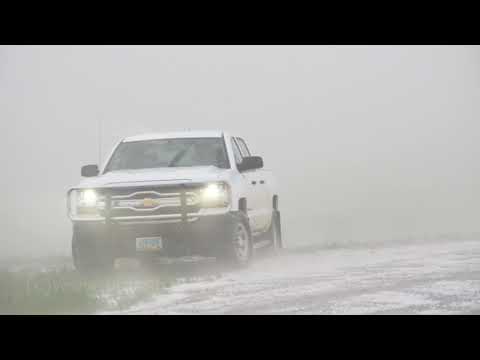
(418, 278)
(425, 278)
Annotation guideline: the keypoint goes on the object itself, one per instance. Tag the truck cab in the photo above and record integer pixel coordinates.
(174, 194)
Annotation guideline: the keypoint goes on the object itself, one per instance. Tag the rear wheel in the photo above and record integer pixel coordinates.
(275, 232)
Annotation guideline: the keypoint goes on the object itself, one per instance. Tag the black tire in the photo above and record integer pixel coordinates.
(88, 258)
(238, 246)
(275, 231)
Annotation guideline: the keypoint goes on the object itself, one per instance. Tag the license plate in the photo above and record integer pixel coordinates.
(149, 243)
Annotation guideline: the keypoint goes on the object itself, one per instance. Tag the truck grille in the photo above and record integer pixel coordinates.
(169, 202)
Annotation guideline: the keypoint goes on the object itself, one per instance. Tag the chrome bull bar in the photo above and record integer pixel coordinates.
(145, 205)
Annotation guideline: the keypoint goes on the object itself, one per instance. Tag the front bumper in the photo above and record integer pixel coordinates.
(204, 235)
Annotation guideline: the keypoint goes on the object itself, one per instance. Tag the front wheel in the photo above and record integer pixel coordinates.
(87, 258)
(239, 247)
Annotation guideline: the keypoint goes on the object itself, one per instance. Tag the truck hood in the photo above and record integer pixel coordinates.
(145, 177)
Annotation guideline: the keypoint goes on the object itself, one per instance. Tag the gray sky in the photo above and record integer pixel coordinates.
(368, 142)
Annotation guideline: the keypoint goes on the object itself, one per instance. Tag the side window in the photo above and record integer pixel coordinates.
(243, 147)
(236, 152)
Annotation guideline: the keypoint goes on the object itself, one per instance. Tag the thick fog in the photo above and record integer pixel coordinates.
(370, 143)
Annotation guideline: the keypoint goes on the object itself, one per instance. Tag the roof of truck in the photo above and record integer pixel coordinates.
(175, 135)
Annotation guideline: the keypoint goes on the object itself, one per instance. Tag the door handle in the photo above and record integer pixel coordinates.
(262, 182)
(254, 182)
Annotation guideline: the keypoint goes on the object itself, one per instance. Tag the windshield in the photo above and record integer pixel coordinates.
(169, 153)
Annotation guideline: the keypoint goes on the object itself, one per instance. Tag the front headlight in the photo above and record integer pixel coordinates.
(85, 204)
(87, 199)
(215, 195)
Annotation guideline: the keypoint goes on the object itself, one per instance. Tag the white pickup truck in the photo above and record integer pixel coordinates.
(174, 194)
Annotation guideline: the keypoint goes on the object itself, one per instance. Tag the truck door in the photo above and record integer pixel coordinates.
(259, 195)
(265, 189)
(248, 179)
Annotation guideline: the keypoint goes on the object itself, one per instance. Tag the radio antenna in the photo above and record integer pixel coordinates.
(99, 141)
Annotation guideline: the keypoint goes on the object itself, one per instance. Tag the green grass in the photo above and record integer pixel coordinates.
(64, 291)
(50, 285)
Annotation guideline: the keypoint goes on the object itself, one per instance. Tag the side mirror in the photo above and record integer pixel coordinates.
(250, 163)
(89, 170)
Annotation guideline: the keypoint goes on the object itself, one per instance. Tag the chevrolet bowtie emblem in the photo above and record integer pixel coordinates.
(148, 203)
